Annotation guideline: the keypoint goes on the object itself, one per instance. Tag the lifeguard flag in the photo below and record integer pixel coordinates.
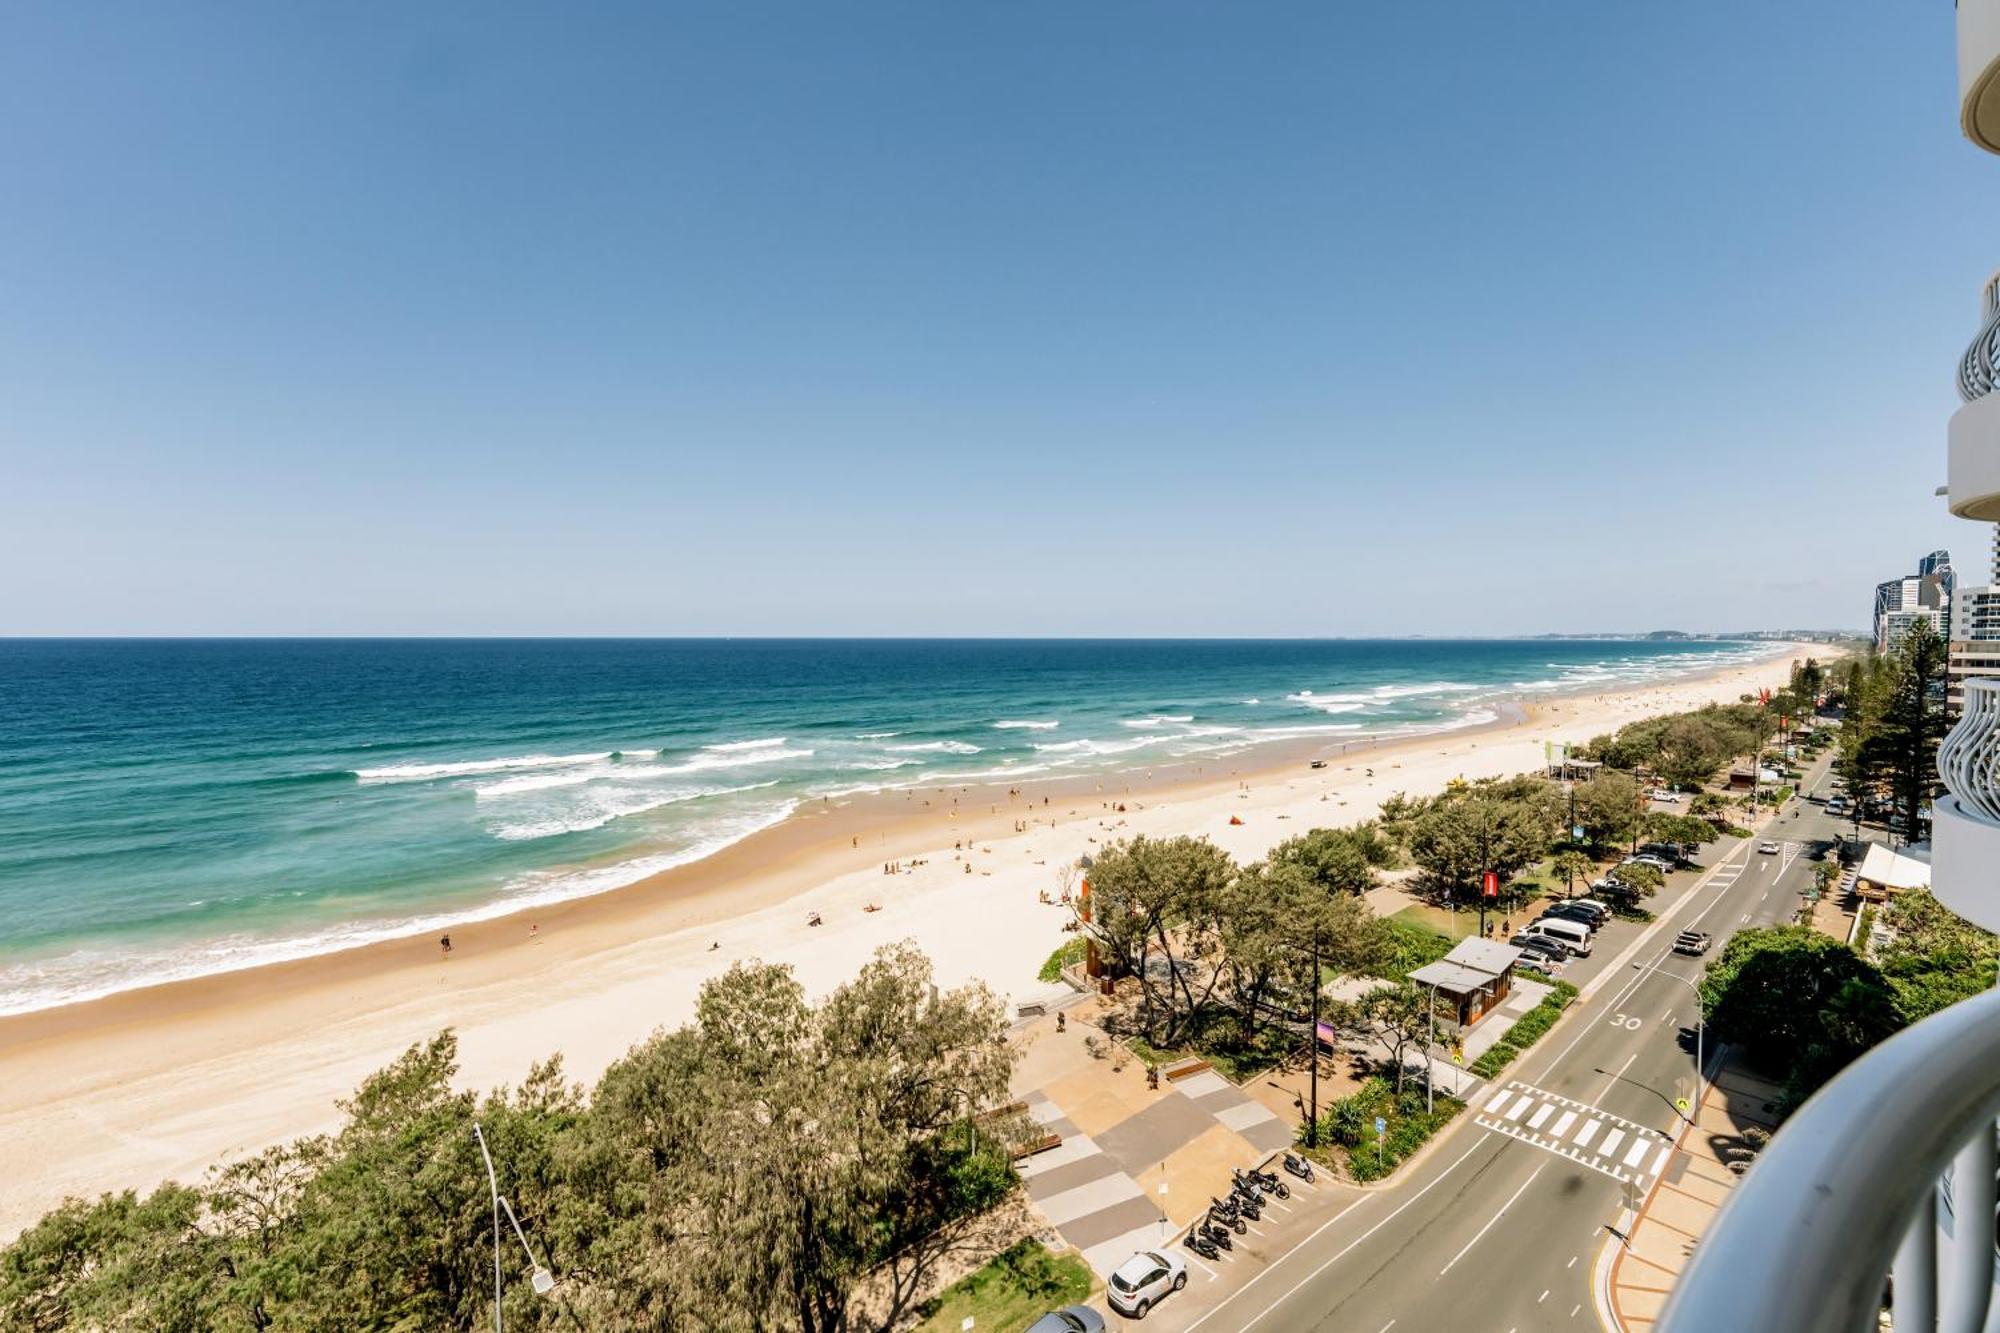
(1489, 884)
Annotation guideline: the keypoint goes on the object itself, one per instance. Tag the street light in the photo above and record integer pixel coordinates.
(1700, 1024)
(493, 1185)
(539, 1278)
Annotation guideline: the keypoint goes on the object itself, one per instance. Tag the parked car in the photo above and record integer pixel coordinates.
(1571, 935)
(1666, 795)
(1659, 863)
(1538, 952)
(1693, 943)
(1836, 805)
(1667, 851)
(1144, 1280)
(1602, 911)
(1583, 916)
(1069, 1319)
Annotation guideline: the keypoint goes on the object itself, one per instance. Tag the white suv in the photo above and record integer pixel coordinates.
(1143, 1280)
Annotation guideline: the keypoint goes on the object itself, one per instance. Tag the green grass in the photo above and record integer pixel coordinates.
(1011, 1292)
(1068, 954)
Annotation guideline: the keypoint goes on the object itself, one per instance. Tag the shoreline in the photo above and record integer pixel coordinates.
(869, 807)
(166, 1080)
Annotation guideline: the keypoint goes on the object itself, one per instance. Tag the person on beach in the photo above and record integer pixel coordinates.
(444, 943)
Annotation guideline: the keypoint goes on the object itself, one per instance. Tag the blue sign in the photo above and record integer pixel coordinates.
(1576, 832)
(1381, 1127)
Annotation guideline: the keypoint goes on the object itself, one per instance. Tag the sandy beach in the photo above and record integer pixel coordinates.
(164, 1082)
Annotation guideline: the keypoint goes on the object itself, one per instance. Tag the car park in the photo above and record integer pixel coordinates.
(1069, 1319)
(1144, 1280)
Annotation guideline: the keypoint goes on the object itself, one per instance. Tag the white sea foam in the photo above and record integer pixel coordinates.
(731, 747)
(937, 747)
(1011, 724)
(876, 735)
(1157, 720)
(1097, 747)
(90, 974)
(461, 768)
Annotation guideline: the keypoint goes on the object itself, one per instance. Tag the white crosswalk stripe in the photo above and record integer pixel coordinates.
(1622, 1149)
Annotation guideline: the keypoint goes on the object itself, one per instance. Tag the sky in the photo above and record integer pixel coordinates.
(1133, 317)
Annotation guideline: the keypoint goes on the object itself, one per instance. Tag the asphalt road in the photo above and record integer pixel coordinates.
(1491, 1231)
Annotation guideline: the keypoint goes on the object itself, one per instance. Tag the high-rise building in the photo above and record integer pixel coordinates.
(1974, 649)
(1923, 596)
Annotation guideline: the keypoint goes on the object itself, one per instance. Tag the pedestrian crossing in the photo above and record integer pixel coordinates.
(1628, 1152)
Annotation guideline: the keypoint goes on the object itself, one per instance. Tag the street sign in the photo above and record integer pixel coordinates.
(1681, 1105)
(1576, 832)
(1457, 1056)
(1381, 1127)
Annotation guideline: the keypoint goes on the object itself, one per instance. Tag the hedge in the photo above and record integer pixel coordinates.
(1527, 1030)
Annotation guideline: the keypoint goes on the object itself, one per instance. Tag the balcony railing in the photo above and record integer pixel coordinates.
(1888, 1171)
(1976, 374)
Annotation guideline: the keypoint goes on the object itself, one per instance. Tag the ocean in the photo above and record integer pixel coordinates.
(170, 809)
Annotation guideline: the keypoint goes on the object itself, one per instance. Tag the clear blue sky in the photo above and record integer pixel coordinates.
(1035, 318)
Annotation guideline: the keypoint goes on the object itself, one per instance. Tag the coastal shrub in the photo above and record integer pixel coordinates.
(1068, 954)
(1349, 1124)
(1495, 1058)
(746, 1123)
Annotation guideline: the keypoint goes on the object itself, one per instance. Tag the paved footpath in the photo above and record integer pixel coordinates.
(1678, 1209)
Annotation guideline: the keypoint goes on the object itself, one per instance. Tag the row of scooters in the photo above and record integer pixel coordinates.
(1244, 1204)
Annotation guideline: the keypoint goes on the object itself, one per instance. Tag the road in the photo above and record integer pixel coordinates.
(1499, 1226)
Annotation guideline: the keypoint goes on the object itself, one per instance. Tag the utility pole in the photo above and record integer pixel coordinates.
(1430, 1038)
(1312, 1123)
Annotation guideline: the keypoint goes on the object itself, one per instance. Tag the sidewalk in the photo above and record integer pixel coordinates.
(1693, 1186)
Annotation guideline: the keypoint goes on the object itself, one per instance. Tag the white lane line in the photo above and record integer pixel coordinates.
(1386, 1327)
(1491, 1220)
(1544, 1296)
(1344, 1251)
(1612, 1082)
(1571, 1263)
(1666, 1151)
(1588, 1132)
(1561, 1127)
(1638, 1150)
(1515, 1111)
(1611, 1142)
(1541, 1114)
(1199, 1264)
(1573, 1309)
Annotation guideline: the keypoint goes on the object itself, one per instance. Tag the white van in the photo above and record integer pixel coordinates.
(1572, 935)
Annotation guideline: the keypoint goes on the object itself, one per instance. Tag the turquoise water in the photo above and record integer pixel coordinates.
(174, 808)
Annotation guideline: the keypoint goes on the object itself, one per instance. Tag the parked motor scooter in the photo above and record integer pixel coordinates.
(1199, 1243)
(1218, 1235)
(1299, 1167)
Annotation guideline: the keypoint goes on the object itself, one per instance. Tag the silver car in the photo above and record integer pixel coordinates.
(1069, 1319)
(1142, 1281)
